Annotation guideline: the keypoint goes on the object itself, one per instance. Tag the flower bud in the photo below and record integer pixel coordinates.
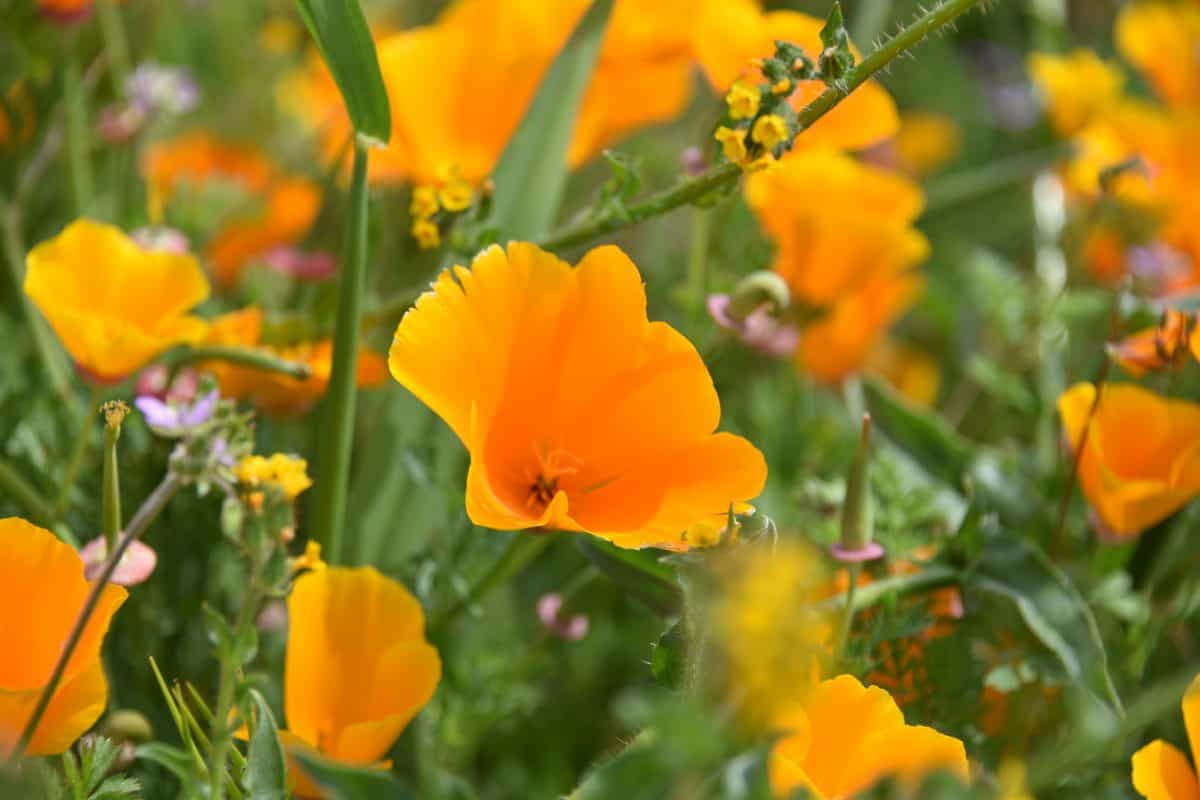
(858, 513)
(126, 725)
(758, 289)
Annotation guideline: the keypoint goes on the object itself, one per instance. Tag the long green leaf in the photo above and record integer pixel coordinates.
(1050, 606)
(638, 572)
(340, 782)
(924, 435)
(345, 42)
(532, 172)
(266, 766)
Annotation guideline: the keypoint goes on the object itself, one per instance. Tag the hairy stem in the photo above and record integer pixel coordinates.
(244, 356)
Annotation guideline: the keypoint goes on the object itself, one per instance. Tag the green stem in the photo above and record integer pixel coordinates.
(697, 280)
(221, 736)
(111, 487)
(953, 190)
(522, 548)
(331, 490)
(931, 577)
(839, 654)
(14, 484)
(724, 175)
(116, 45)
(245, 356)
(138, 524)
(82, 186)
(83, 437)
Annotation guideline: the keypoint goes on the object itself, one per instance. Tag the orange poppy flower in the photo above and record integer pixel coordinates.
(66, 11)
(286, 205)
(847, 736)
(357, 668)
(1160, 770)
(1077, 88)
(114, 305)
(274, 392)
(729, 34)
(579, 414)
(1167, 344)
(911, 372)
(1163, 41)
(44, 588)
(1141, 460)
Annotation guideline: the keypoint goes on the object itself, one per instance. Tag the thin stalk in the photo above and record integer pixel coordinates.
(112, 487)
(37, 508)
(697, 275)
(141, 520)
(82, 186)
(522, 548)
(721, 176)
(847, 622)
(243, 356)
(116, 45)
(83, 438)
(220, 735)
(331, 490)
(930, 578)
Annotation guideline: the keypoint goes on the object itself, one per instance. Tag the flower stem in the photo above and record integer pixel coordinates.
(138, 524)
(244, 356)
(522, 548)
(331, 489)
(847, 613)
(116, 45)
(931, 577)
(697, 278)
(82, 187)
(687, 191)
(220, 735)
(83, 438)
(111, 487)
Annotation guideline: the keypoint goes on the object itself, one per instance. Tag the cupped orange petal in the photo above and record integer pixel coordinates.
(1191, 717)
(571, 403)
(1163, 41)
(357, 667)
(1162, 772)
(42, 590)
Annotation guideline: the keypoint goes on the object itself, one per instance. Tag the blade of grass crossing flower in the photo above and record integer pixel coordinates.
(341, 33)
(532, 171)
(340, 782)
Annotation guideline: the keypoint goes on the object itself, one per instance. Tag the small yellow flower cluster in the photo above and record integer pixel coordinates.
(289, 473)
(757, 113)
(454, 194)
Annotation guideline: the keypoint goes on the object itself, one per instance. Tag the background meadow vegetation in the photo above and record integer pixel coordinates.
(1067, 652)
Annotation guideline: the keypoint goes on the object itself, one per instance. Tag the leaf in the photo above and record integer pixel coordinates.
(341, 782)
(266, 766)
(669, 660)
(1050, 606)
(924, 435)
(176, 761)
(532, 172)
(639, 572)
(341, 33)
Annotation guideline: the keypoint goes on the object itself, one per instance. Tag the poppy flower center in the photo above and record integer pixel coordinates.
(552, 465)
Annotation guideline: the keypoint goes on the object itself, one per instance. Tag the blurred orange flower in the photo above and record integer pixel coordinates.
(729, 34)
(579, 414)
(274, 392)
(1141, 459)
(1160, 770)
(357, 669)
(1077, 88)
(282, 208)
(44, 590)
(911, 372)
(65, 11)
(113, 304)
(1167, 344)
(925, 141)
(1163, 41)
(847, 736)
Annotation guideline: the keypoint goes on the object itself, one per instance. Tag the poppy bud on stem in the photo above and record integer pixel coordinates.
(858, 528)
(758, 289)
(114, 414)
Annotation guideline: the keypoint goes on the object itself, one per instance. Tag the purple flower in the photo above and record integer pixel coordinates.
(295, 263)
(550, 613)
(135, 566)
(153, 89)
(175, 419)
(759, 330)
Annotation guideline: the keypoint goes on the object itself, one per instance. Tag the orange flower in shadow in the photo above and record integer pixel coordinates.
(44, 591)
(358, 668)
(579, 414)
(1141, 459)
(274, 392)
(114, 305)
(282, 208)
(1163, 41)
(847, 736)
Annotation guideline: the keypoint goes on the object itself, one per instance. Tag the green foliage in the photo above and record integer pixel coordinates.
(341, 782)
(87, 775)
(266, 767)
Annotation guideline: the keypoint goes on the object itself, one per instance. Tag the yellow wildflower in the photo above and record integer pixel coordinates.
(733, 143)
(455, 194)
(743, 99)
(288, 473)
(782, 87)
(770, 131)
(424, 202)
(426, 234)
